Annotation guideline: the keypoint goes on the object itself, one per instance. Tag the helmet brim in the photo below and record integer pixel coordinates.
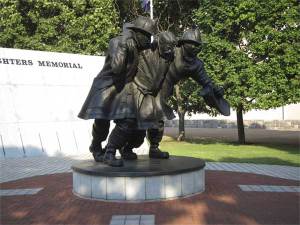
(182, 41)
(139, 30)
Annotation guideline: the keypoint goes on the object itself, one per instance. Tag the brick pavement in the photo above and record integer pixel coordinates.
(223, 202)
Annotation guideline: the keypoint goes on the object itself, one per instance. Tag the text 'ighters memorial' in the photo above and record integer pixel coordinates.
(44, 63)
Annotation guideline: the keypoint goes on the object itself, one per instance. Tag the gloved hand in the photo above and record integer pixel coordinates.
(207, 90)
(131, 45)
(218, 91)
(210, 89)
(127, 42)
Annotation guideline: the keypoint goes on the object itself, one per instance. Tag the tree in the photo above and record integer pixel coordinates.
(63, 26)
(171, 15)
(253, 50)
(187, 100)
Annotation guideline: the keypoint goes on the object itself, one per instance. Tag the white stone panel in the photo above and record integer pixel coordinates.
(116, 188)
(66, 138)
(76, 182)
(83, 80)
(82, 135)
(1, 149)
(4, 78)
(11, 138)
(85, 186)
(54, 76)
(26, 75)
(30, 103)
(49, 139)
(139, 188)
(74, 99)
(199, 180)
(188, 183)
(155, 188)
(31, 139)
(7, 112)
(99, 187)
(173, 186)
(56, 104)
(135, 188)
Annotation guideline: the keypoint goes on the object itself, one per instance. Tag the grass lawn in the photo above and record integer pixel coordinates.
(214, 151)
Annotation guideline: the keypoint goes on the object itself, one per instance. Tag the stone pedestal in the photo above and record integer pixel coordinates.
(140, 180)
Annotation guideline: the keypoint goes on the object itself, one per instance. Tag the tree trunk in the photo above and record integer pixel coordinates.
(240, 125)
(181, 113)
(181, 134)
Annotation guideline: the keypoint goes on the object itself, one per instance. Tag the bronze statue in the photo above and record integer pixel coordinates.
(186, 64)
(133, 87)
(105, 101)
(152, 68)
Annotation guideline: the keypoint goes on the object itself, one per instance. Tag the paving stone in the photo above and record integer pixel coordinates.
(269, 188)
(147, 220)
(13, 192)
(117, 222)
(118, 217)
(132, 222)
(147, 217)
(133, 217)
(245, 188)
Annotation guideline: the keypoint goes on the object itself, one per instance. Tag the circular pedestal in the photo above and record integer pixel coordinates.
(140, 180)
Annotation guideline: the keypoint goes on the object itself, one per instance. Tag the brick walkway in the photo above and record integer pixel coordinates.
(223, 202)
(236, 193)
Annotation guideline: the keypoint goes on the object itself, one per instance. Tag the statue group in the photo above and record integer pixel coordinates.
(134, 85)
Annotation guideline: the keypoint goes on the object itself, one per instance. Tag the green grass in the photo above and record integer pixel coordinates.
(214, 151)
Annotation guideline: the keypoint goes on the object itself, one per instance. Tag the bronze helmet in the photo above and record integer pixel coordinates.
(191, 36)
(144, 24)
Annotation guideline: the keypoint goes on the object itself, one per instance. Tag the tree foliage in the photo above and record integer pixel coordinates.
(253, 49)
(52, 25)
(172, 15)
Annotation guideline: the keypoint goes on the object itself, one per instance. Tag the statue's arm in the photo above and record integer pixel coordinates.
(199, 74)
(118, 54)
(205, 81)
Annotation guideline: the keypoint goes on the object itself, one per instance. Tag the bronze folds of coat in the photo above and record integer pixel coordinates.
(152, 69)
(109, 97)
(181, 68)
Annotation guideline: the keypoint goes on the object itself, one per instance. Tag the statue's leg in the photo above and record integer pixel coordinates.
(118, 138)
(154, 137)
(99, 134)
(136, 140)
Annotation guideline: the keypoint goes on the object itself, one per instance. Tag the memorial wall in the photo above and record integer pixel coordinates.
(41, 94)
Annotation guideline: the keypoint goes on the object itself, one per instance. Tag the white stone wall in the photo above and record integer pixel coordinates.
(288, 112)
(39, 104)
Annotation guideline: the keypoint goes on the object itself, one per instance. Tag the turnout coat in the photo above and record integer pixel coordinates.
(129, 92)
(109, 97)
(146, 85)
(181, 68)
